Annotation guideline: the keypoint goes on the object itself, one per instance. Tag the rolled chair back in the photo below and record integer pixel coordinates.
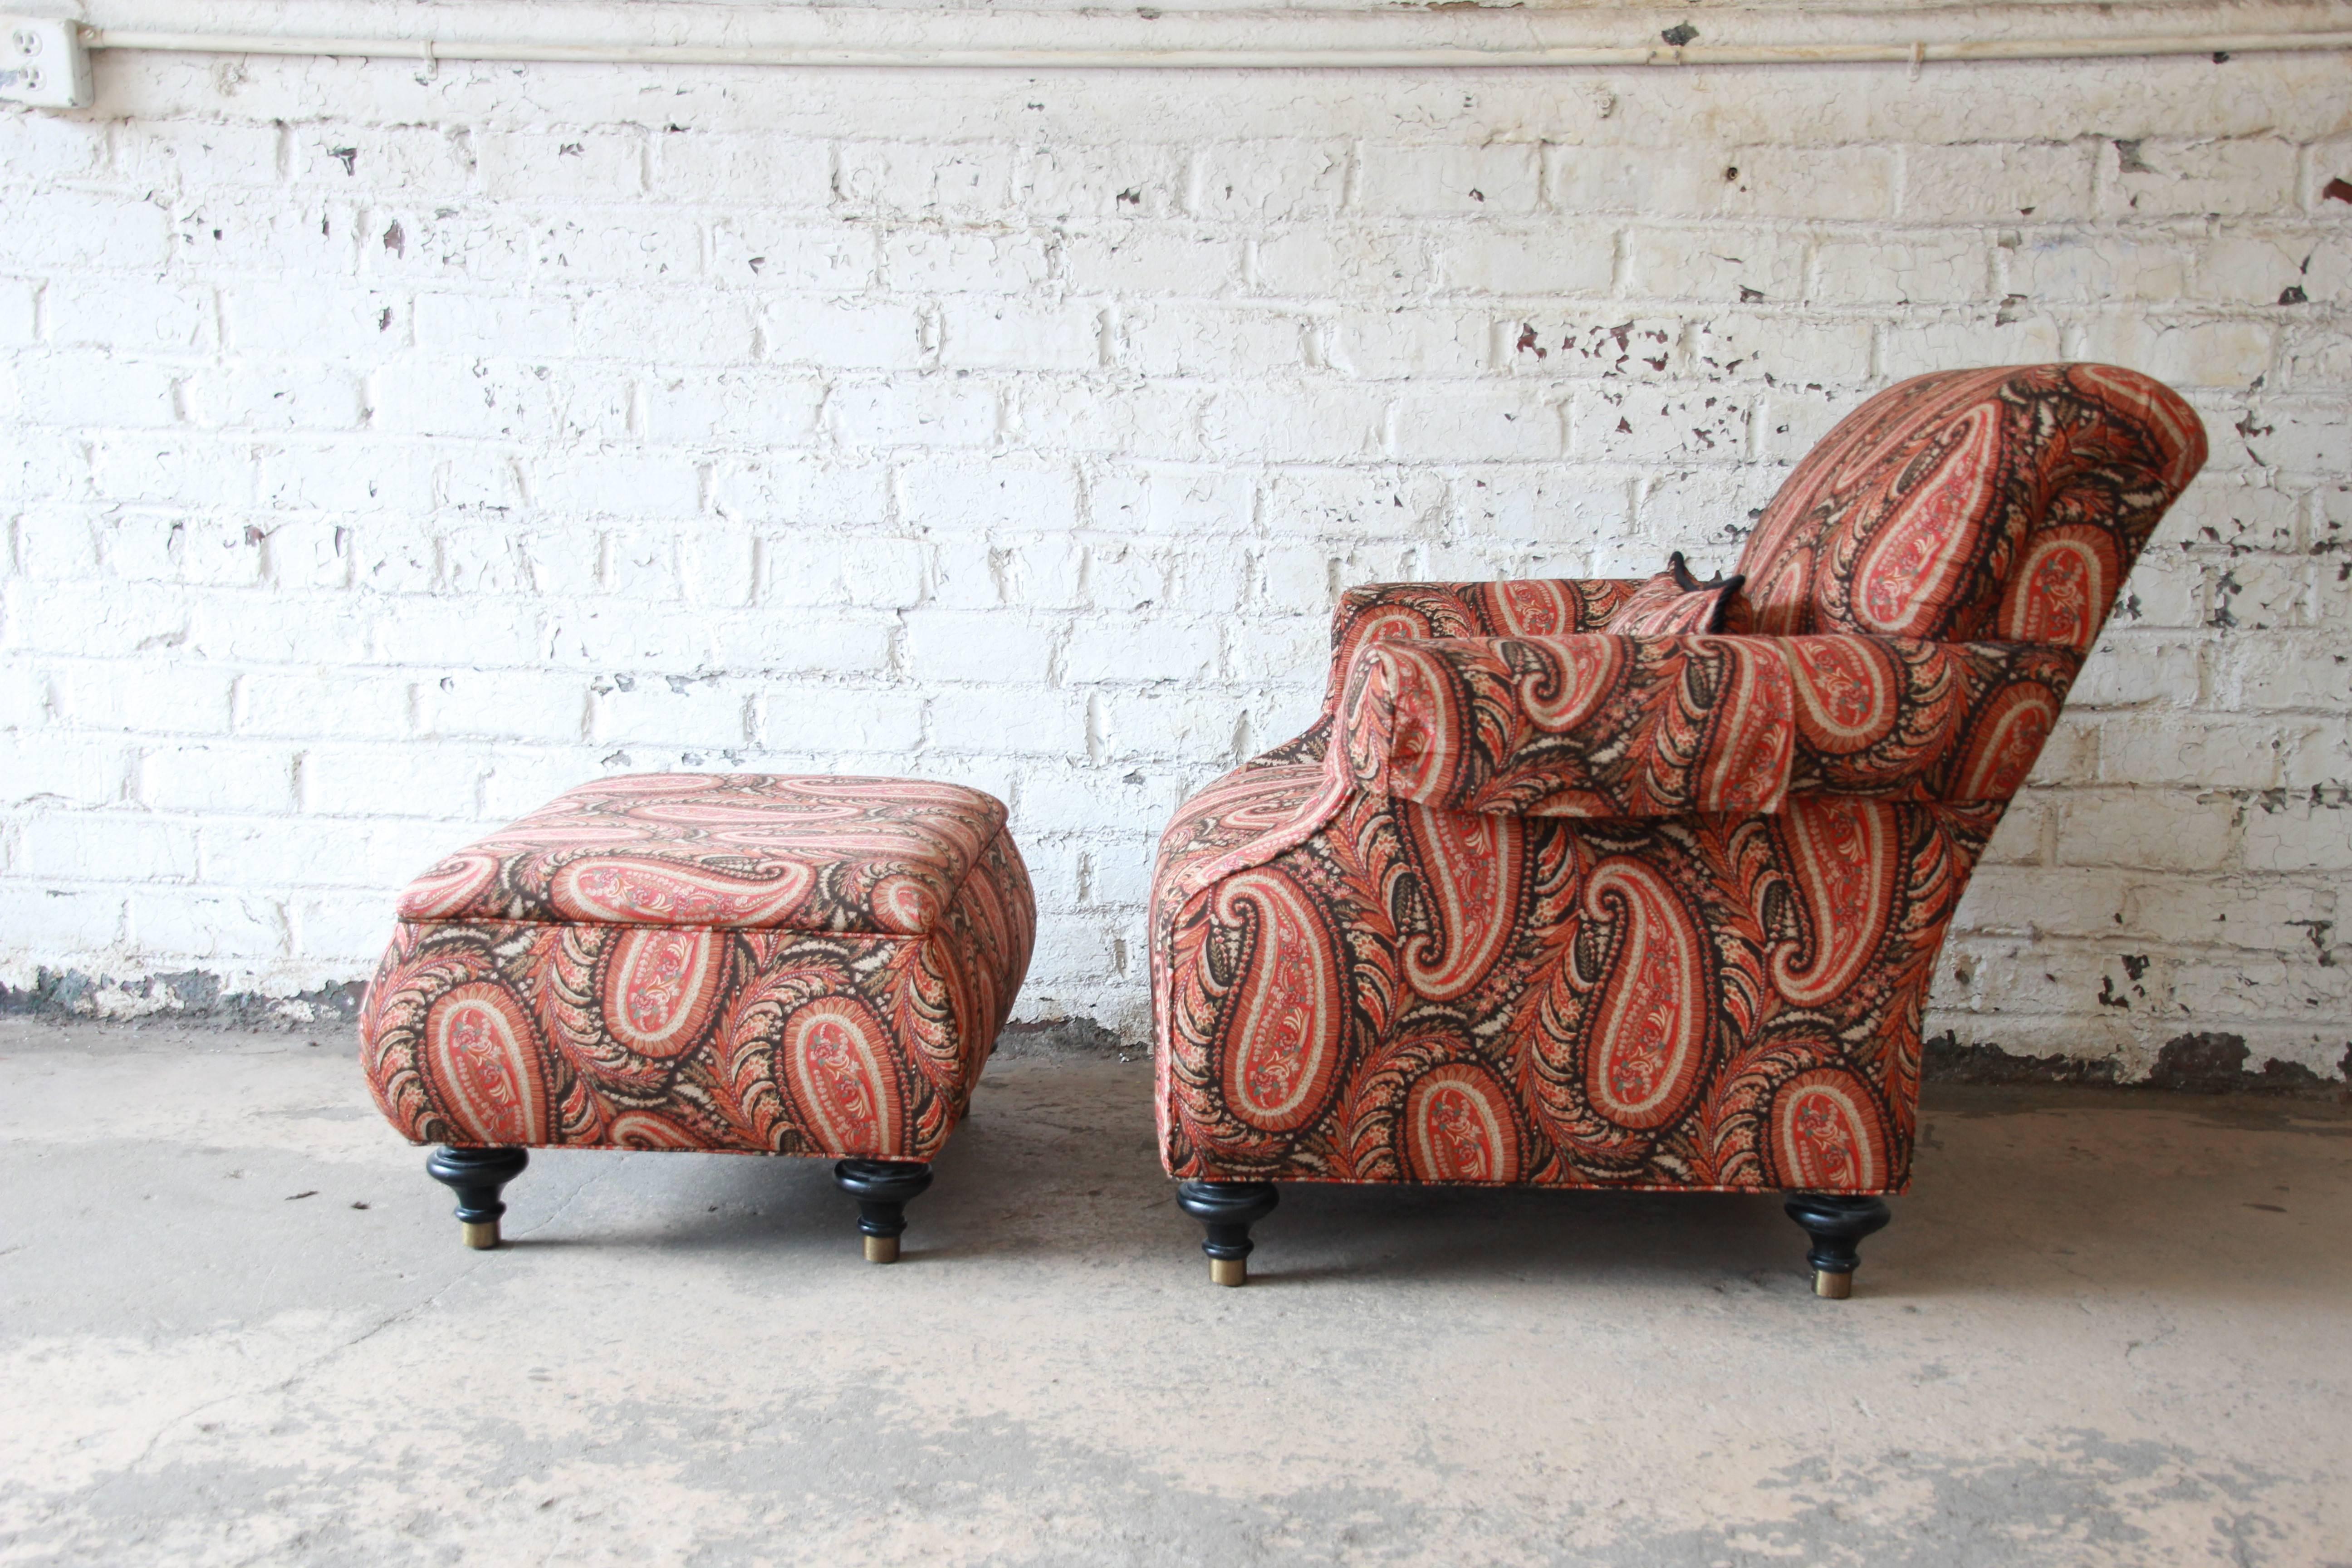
(2003, 503)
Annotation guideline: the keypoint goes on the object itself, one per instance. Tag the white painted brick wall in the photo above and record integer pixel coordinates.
(381, 451)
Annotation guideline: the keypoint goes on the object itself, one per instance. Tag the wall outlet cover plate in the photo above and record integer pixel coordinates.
(43, 64)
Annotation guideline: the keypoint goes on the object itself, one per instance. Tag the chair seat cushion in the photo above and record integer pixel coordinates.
(723, 851)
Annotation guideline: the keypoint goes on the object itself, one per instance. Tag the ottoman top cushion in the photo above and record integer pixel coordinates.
(739, 851)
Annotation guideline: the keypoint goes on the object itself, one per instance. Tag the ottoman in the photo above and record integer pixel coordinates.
(733, 963)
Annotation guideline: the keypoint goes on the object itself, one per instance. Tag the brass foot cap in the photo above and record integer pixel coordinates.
(1834, 1287)
(482, 1238)
(1228, 1271)
(881, 1250)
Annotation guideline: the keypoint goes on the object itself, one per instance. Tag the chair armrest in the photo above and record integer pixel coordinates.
(1601, 726)
(1539, 607)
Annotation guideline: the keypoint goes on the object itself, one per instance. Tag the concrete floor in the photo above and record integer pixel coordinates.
(236, 1326)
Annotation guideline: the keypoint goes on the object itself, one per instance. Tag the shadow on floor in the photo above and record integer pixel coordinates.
(2015, 1190)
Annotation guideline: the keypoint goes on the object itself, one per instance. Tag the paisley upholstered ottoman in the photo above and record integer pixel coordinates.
(732, 963)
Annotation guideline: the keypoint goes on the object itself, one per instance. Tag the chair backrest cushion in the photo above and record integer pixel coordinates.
(2007, 503)
(1676, 604)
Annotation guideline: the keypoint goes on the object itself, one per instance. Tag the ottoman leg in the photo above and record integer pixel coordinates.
(883, 1189)
(1836, 1225)
(1228, 1209)
(476, 1175)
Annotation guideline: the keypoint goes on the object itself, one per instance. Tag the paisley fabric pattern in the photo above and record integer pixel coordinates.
(799, 1002)
(1702, 1001)
(1539, 901)
(1398, 612)
(1676, 604)
(1915, 517)
(735, 851)
(1418, 612)
(1613, 726)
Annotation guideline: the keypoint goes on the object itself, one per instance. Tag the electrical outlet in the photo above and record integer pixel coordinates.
(43, 63)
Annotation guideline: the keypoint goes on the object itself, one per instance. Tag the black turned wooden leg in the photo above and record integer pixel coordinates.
(476, 1175)
(1837, 1224)
(1228, 1209)
(883, 1189)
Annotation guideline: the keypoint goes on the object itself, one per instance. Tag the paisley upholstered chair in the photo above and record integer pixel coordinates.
(1640, 886)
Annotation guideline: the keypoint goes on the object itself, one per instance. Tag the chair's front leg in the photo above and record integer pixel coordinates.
(1228, 1209)
(1837, 1222)
(883, 1188)
(476, 1175)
